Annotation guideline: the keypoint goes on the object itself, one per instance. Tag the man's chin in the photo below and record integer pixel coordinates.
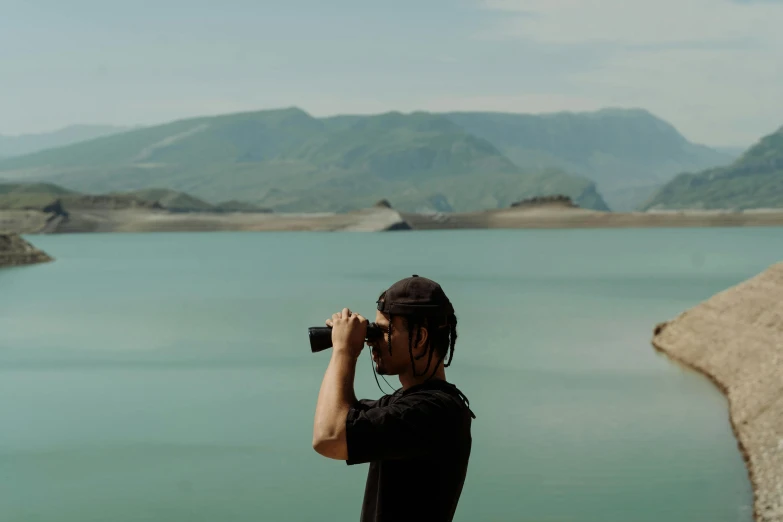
(380, 369)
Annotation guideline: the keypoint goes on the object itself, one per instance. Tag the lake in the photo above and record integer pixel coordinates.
(168, 377)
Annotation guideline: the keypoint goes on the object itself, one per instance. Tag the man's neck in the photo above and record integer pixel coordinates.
(408, 380)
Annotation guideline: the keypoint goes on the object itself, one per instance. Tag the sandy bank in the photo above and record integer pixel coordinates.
(736, 339)
(558, 216)
(16, 251)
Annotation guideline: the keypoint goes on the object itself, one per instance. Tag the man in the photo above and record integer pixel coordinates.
(418, 439)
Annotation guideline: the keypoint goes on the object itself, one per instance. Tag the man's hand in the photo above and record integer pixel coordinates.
(348, 332)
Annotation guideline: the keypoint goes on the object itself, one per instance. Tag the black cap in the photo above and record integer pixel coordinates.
(415, 296)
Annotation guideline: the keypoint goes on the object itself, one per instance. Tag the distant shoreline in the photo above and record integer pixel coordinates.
(553, 216)
(375, 219)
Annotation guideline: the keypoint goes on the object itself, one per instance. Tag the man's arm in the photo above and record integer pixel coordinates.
(337, 396)
(334, 400)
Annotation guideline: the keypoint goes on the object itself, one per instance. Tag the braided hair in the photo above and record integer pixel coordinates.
(441, 340)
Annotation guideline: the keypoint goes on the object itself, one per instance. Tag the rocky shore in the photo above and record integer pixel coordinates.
(16, 251)
(736, 340)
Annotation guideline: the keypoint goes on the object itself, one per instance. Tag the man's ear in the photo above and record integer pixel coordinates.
(423, 338)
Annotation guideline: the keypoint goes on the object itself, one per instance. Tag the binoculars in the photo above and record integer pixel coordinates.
(321, 336)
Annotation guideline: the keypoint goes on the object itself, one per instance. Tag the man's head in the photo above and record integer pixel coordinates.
(420, 328)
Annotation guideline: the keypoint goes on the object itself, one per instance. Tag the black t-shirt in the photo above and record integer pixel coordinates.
(418, 443)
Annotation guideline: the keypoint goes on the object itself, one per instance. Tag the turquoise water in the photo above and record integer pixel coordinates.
(167, 377)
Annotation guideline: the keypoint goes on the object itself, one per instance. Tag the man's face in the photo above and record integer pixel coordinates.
(399, 361)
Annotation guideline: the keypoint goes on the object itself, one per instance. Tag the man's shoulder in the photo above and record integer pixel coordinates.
(436, 395)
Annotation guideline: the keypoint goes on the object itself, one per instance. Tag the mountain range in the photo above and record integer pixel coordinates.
(755, 180)
(628, 153)
(288, 160)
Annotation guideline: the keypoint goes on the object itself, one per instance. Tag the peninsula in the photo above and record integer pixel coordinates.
(736, 340)
(16, 251)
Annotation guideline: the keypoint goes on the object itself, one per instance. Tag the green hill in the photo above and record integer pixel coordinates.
(39, 195)
(288, 160)
(18, 196)
(182, 202)
(171, 199)
(755, 180)
(32, 188)
(628, 153)
(30, 195)
(29, 143)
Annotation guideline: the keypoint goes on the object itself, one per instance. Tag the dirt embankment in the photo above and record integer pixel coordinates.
(736, 339)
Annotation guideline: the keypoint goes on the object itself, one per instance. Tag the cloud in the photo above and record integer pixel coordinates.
(637, 22)
(712, 67)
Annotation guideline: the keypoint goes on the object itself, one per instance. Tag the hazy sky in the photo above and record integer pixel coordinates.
(713, 68)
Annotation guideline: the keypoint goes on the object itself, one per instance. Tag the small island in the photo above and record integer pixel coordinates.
(15, 251)
(557, 200)
(736, 340)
